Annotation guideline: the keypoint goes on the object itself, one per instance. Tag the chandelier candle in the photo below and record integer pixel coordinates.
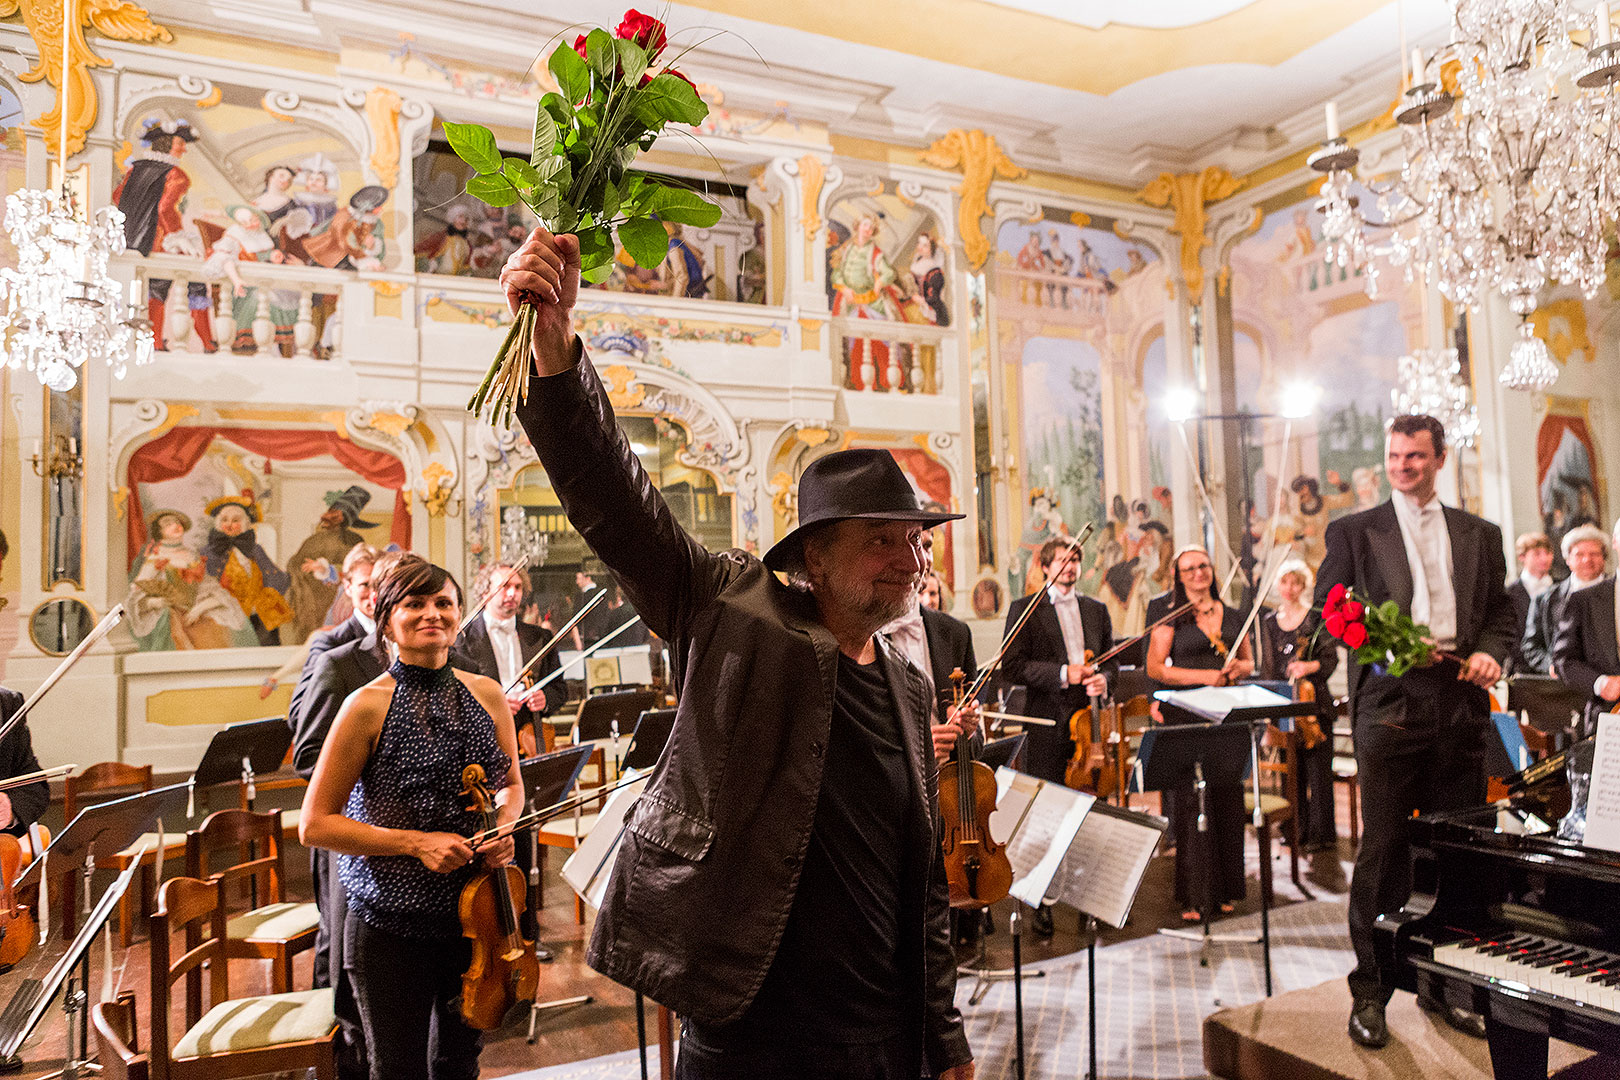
(615, 95)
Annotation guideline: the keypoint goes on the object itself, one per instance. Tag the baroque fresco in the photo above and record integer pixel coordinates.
(1299, 318)
(463, 236)
(1082, 312)
(234, 182)
(236, 536)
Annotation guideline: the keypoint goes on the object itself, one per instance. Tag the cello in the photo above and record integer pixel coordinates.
(504, 970)
(976, 866)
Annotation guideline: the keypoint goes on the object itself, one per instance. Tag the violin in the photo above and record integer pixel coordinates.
(1309, 727)
(976, 866)
(504, 971)
(1092, 768)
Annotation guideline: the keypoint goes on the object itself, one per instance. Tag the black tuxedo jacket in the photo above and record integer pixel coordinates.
(1365, 551)
(1519, 597)
(1584, 647)
(321, 641)
(475, 653)
(950, 646)
(16, 758)
(1541, 626)
(1036, 657)
(338, 672)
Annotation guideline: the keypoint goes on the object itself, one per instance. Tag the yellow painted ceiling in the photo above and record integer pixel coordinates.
(1038, 48)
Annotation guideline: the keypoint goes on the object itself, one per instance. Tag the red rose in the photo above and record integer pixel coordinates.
(1336, 624)
(1352, 610)
(1335, 597)
(1355, 635)
(579, 47)
(645, 31)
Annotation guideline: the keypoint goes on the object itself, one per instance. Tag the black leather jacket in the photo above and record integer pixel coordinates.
(712, 849)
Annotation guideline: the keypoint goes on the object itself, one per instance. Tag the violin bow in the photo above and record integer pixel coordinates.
(1270, 579)
(1154, 625)
(24, 779)
(546, 813)
(517, 681)
(1072, 551)
(478, 608)
(102, 629)
(609, 636)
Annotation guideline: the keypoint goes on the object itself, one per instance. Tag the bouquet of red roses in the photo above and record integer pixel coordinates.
(615, 93)
(1377, 634)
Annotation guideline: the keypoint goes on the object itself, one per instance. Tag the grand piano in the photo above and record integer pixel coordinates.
(1509, 921)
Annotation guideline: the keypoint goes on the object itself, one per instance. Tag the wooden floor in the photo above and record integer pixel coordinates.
(608, 1024)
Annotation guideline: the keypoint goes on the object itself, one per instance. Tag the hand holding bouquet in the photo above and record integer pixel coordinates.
(615, 96)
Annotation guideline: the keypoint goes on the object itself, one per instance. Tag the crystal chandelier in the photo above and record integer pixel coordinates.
(520, 539)
(58, 308)
(1430, 381)
(1507, 183)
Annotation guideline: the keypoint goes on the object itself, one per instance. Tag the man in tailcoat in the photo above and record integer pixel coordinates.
(1586, 651)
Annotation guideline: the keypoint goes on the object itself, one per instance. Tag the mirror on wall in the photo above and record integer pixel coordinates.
(59, 462)
(57, 626)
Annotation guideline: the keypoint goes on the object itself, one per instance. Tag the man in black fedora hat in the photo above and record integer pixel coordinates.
(316, 567)
(780, 884)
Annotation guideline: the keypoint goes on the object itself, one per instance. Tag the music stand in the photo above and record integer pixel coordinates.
(102, 830)
(546, 780)
(647, 742)
(28, 1005)
(1001, 752)
(242, 751)
(610, 717)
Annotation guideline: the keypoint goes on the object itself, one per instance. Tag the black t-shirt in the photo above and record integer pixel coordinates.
(836, 977)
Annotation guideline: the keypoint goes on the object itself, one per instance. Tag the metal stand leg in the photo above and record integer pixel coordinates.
(76, 1006)
(984, 977)
(1017, 926)
(1091, 991)
(641, 1031)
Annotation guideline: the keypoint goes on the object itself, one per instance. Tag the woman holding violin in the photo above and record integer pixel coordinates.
(1200, 648)
(1288, 655)
(387, 794)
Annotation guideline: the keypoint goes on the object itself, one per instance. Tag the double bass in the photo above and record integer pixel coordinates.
(504, 970)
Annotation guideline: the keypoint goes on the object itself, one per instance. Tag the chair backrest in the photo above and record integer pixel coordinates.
(105, 776)
(252, 839)
(1135, 714)
(117, 1039)
(196, 910)
(597, 714)
(1281, 765)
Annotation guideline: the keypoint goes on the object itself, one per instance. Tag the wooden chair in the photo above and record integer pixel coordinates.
(1279, 770)
(114, 779)
(275, 929)
(1134, 717)
(236, 1037)
(1344, 766)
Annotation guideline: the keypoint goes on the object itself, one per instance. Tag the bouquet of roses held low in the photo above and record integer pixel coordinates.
(1376, 633)
(614, 97)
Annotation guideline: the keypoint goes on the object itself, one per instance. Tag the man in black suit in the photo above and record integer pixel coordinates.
(936, 644)
(20, 807)
(1586, 651)
(1419, 738)
(599, 621)
(496, 644)
(1535, 555)
(1586, 553)
(358, 567)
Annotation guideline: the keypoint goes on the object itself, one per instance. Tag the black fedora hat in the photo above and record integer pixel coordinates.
(853, 484)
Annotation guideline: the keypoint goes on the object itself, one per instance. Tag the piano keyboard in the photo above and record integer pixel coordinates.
(1570, 972)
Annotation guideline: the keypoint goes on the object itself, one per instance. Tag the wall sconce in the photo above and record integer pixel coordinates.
(63, 462)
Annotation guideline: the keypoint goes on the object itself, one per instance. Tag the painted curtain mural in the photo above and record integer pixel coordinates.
(1298, 319)
(463, 236)
(236, 535)
(227, 180)
(1081, 317)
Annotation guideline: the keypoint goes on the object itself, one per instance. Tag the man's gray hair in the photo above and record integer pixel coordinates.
(1579, 535)
(794, 567)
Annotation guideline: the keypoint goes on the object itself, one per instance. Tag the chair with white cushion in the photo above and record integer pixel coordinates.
(236, 1037)
(249, 844)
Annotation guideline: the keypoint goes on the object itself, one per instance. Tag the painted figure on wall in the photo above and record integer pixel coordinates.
(248, 239)
(1566, 476)
(173, 603)
(682, 273)
(316, 566)
(447, 250)
(862, 278)
(244, 569)
(352, 238)
(1044, 523)
(152, 195)
(929, 273)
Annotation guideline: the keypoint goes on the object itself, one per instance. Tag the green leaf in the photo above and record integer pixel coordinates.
(474, 144)
(627, 154)
(599, 47)
(681, 205)
(545, 135)
(598, 273)
(670, 97)
(1389, 609)
(632, 60)
(567, 219)
(573, 77)
(610, 202)
(645, 241)
(496, 190)
(542, 203)
(595, 246)
(520, 173)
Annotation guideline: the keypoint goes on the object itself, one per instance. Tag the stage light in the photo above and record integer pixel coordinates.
(1299, 400)
(1180, 404)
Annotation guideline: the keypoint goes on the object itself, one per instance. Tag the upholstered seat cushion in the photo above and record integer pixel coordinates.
(257, 1022)
(273, 922)
(1344, 767)
(174, 843)
(1269, 804)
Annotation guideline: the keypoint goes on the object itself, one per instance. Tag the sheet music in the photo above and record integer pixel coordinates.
(1104, 865)
(1214, 702)
(590, 867)
(1603, 798)
(1037, 849)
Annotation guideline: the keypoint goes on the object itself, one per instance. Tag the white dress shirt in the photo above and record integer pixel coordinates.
(503, 638)
(1535, 586)
(1066, 602)
(367, 623)
(1428, 555)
